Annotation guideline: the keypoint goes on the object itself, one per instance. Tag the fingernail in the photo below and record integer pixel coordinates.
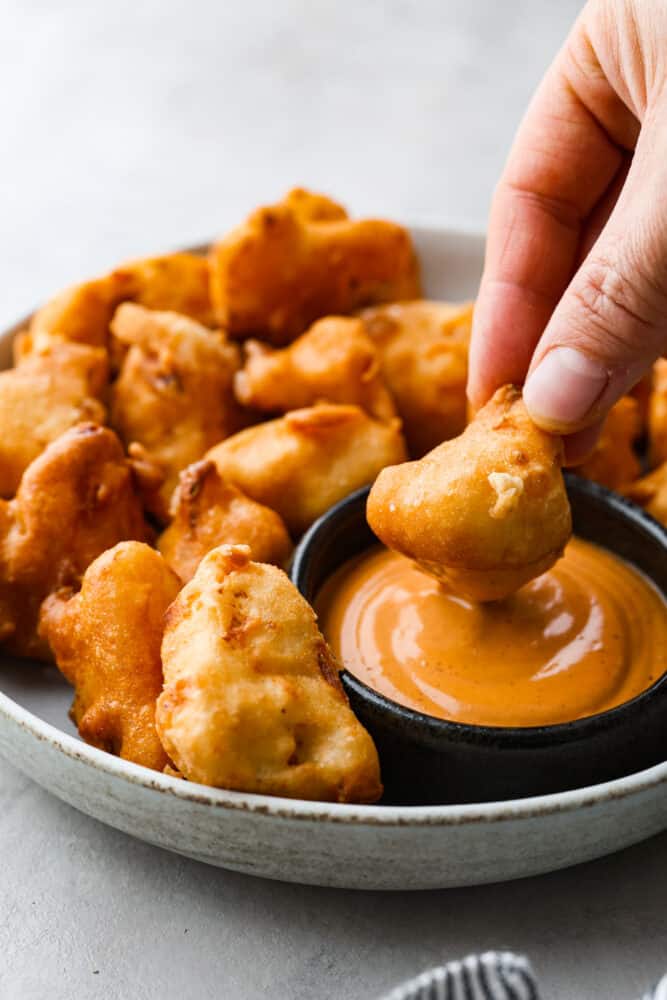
(563, 388)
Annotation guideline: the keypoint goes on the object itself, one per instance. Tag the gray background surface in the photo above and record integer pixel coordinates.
(135, 126)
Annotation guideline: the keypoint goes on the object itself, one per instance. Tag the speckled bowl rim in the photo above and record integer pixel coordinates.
(299, 809)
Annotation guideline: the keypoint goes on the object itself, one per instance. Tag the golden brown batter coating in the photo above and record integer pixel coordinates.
(484, 513)
(334, 362)
(106, 641)
(207, 512)
(302, 258)
(651, 492)
(657, 414)
(423, 350)
(176, 282)
(313, 207)
(51, 390)
(252, 699)
(82, 313)
(309, 459)
(76, 500)
(613, 461)
(174, 395)
(641, 391)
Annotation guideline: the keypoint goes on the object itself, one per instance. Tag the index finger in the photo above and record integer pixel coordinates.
(566, 154)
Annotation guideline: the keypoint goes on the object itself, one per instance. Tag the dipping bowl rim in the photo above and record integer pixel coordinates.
(461, 732)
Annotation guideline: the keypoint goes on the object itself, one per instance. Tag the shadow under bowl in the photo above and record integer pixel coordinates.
(426, 760)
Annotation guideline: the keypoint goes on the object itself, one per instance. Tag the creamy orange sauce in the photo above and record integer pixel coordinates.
(586, 636)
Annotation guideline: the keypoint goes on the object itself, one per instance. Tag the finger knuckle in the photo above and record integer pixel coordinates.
(619, 300)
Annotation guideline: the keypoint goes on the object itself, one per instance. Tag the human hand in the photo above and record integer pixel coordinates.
(573, 298)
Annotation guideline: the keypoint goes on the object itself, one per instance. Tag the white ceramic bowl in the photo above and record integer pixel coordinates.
(360, 847)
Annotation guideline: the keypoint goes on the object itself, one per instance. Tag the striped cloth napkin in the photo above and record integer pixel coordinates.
(495, 975)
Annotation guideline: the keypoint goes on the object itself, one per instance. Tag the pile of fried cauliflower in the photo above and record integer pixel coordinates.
(170, 429)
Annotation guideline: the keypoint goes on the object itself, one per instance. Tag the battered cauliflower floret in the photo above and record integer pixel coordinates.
(651, 492)
(309, 459)
(657, 414)
(613, 461)
(335, 361)
(76, 500)
(51, 390)
(423, 353)
(106, 640)
(207, 512)
(303, 258)
(174, 396)
(486, 512)
(252, 698)
(82, 313)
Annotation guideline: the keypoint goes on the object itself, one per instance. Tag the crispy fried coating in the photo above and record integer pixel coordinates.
(309, 459)
(313, 207)
(51, 390)
(651, 493)
(657, 414)
(252, 699)
(76, 500)
(293, 262)
(83, 313)
(334, 361)
(106, 641)
(423, 350)
(641, 391)
(176, 282)
(174, 395)
(484, 513)
(613, 461)
(207, 512)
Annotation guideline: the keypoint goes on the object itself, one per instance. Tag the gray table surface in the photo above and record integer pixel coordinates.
(134, 126)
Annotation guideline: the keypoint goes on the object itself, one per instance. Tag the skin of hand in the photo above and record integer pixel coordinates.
(573, 298)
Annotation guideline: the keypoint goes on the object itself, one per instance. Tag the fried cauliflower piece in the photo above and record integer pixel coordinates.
(80, 314)
(106, 641)
(651, 493)
(252, 698)
(174, 395)
(484, 513)
(76, 500)
(334, 361)
(51, 390)
(293, 262)
(207, 512)
(83, 313)
(313, 207)
(641, 392)
(657, 414)
(613, 461)
(176, 282)
(302, 463)
(423, 352)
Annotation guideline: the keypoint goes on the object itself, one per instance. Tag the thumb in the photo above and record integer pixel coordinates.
(611, 323)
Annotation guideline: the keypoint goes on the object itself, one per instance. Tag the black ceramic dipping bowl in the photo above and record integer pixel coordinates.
(426, 760)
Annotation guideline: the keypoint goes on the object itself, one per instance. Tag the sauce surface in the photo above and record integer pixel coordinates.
(586, 636)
